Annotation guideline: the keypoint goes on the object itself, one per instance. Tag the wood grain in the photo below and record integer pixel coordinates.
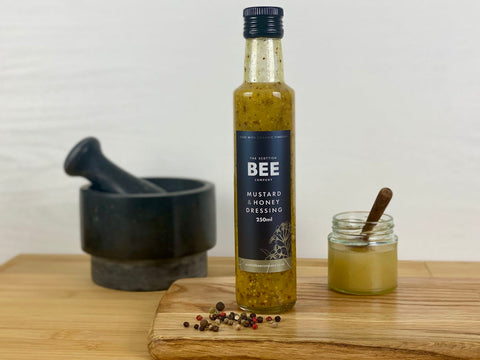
(50, 309)
(423, 319)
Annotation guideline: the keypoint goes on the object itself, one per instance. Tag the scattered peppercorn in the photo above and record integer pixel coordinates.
(220, 306)
(218, 316)
(204, 322)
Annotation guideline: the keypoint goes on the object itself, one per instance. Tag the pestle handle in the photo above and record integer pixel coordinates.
(381, 202)
(86, 159)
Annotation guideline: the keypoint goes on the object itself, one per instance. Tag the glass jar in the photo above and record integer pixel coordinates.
(362, 263)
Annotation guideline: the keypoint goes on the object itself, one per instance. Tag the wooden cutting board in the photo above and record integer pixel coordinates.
(422, 319)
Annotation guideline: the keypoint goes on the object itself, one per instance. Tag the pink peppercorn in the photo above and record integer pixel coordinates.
(199, 317)
(254, 326)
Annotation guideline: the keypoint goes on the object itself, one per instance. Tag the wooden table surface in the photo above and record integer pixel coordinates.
(50, 309)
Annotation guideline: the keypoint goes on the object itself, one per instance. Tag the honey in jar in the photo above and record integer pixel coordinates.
(357, 266)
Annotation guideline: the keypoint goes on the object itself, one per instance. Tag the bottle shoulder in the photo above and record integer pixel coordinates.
(264, 89)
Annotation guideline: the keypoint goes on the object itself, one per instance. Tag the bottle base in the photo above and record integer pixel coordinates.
(269, 310)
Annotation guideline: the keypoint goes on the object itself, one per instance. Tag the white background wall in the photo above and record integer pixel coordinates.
(388, 94)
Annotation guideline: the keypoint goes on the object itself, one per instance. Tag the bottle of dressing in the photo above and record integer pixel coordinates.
(264, 171)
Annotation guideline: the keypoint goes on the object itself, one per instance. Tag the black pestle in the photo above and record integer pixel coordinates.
(86, 159)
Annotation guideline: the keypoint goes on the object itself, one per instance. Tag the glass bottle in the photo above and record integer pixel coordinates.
(360, 268)
(265, 252)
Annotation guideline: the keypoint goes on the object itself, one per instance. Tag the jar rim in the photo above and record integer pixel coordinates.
(386, 218)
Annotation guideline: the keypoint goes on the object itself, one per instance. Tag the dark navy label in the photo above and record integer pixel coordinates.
(264, 200)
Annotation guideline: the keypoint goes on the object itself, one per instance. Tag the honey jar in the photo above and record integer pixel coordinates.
(359, 262)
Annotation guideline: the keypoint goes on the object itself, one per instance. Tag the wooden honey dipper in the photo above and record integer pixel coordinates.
(381, 202)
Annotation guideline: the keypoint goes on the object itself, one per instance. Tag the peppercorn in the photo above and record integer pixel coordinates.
(246, 324)
(186, 324)
(243, 315)
(274, 324)
(255, 326)
(260, 319)
(252, 315)
(254, 319)
(278, 318)
(238, 327)
(196, 326)
(268, 318)
(230, 322)
(212, 317)
(220, 306)
(218, 321)
(204, 322)
(237, 317)
(212, 310)
(231, 316)
(199, 317)
(202, 328)
(215, 328)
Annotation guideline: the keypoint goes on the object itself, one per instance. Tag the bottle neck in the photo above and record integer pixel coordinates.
(263, 60)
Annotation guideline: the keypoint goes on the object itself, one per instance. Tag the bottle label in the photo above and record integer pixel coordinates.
(264, 201)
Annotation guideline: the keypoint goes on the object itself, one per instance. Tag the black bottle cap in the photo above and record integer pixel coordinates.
(263, 21)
